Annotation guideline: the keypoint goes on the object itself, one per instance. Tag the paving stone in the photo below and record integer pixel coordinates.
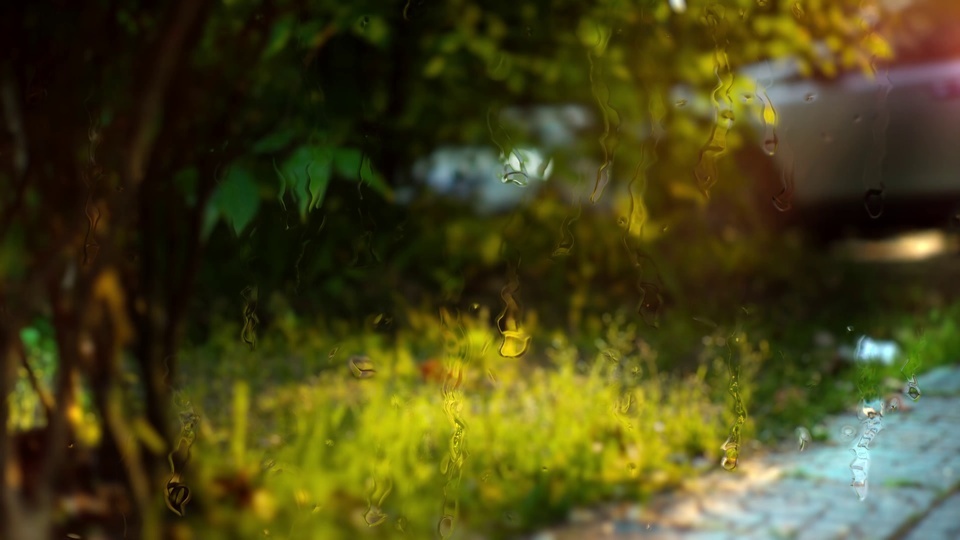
(941, 380)
(942, 523)
(808, 495)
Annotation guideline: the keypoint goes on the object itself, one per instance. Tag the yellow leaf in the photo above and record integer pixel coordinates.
(434, 66)
(877, 46)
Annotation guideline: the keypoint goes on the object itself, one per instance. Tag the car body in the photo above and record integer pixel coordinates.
(861, 154)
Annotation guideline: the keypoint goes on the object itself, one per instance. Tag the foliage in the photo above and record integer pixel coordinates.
(154, 149)
(540, 439)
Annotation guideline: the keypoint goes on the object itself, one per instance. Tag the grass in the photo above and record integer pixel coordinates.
(327, 454)
(291, 444)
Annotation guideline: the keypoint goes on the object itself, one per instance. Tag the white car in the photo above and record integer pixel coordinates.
(860, 155)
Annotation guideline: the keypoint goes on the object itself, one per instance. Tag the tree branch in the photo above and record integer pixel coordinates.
(168, 52)
(14, 121)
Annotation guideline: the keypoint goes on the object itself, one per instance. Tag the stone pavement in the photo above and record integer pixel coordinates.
(913, 486)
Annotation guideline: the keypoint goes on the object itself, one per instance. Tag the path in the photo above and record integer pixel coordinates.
(914, 486)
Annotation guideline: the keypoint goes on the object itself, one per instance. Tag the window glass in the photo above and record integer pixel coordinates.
(471, 269)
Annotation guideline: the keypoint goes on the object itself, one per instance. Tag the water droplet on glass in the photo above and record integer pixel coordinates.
(868, 413)
(798, 10)
(894, 403)
(770, 145)
(873, 202)
(361, 367)
(681, 102)
(783, 201)
(445, 526)
(731, 454)
(514, 344)
(803, 435)
(374, 516)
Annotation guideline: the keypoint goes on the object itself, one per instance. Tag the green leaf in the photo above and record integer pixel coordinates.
(210, 217)
(186, 182)
(274, 142)
(282, 30)
(30, 337)
(306, 175)
(13, 258)
(347, 162)
(237, 198)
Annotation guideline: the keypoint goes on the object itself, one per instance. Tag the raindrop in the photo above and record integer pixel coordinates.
(770, 144)
(913, 389)
(810, 97)
(849, 329)
(514, 344)
(612, 355)
(848, 432)
(374, 516)
(804, 437)
(783, 201)
(361, 367)
(798, 10)
(381, 321)
(445, 527)
(868, 413)
(650, 304)
(731, 454)
(475, 306)
(894, 403)
(665, 228)
(681, 103)
(873, 202)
